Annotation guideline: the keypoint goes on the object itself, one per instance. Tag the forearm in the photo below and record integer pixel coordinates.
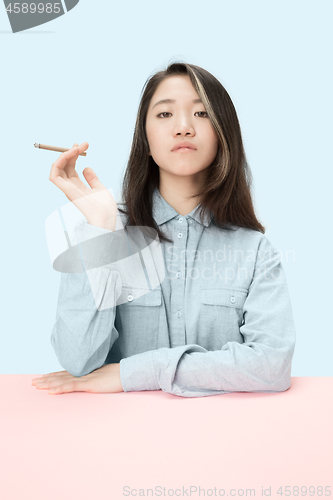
(83, 335)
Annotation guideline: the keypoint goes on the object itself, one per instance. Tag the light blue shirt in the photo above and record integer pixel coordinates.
(220, 321)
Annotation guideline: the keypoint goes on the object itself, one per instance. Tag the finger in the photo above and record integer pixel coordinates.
(54, 390)
(72, 159)
(78, 149)
(50, 384)
(54, 380)
(65, 164)
(92, 178)
(48, 375)
(73, 187)
(50, 380)
(81, 148)
(64, 372)
(63, 388)
(84, 146)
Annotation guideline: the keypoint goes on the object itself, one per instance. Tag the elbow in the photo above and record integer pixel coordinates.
(72, 366)
(79, 368)
(280, 373)
(281, 365)
(75, 369)
(70, 363)
(284, 383)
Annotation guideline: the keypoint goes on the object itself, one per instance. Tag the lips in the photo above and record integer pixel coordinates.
(184, 145)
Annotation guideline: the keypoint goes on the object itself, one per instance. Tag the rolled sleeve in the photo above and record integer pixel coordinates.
(137, 373)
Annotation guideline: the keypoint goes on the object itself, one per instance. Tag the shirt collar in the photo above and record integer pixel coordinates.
(163, 212)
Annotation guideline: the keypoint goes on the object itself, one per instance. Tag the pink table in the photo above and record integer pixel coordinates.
(110, 446)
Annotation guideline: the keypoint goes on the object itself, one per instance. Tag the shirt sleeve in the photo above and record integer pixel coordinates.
(261, 364)
(84, 330)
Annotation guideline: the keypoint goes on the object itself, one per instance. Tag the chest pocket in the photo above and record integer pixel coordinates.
(221, 315)
(137, 322)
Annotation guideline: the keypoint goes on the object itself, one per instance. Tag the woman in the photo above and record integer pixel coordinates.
(220, 318)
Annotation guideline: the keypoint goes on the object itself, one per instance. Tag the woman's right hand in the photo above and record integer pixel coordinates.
(96, 203)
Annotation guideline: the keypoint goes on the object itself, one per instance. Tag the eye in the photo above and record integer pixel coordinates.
(167, 113)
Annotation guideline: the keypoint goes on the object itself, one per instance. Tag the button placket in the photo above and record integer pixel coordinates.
(177, 300)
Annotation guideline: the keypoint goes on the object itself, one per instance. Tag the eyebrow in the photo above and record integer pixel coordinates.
(169, 101)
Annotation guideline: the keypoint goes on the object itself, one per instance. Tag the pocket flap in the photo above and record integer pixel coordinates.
(223, 297)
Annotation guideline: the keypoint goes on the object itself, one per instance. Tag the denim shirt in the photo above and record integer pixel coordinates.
(220, 320)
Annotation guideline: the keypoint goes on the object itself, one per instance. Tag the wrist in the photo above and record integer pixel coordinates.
(119, 378)
(104, 224)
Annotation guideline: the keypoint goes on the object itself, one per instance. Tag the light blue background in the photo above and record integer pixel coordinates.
(79, 78)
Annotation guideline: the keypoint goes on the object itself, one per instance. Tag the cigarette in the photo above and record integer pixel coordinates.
(55, 148)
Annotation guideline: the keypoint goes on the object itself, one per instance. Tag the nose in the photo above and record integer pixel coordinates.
(184, 127)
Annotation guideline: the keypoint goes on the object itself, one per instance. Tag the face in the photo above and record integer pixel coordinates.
(169, 124)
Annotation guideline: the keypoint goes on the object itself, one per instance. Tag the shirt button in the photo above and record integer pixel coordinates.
(178, 274)
(179, 314)
(180, 219)
(232, 300)
(180, 235)
(129, 297)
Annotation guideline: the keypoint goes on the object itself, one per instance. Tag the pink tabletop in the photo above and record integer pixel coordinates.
(110, 446)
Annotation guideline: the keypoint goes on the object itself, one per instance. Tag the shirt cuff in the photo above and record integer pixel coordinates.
(137, 373)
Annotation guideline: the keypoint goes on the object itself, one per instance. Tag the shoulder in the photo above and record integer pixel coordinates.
(251, 239)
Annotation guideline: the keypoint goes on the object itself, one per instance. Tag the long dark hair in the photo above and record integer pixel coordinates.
(227, 187)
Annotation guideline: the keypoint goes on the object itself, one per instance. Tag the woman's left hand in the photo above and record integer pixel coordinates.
(104, 379)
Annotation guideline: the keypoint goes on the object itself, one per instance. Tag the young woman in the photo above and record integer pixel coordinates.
(220, 319)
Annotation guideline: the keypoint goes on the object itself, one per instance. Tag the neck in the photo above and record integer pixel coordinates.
(177, 193)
